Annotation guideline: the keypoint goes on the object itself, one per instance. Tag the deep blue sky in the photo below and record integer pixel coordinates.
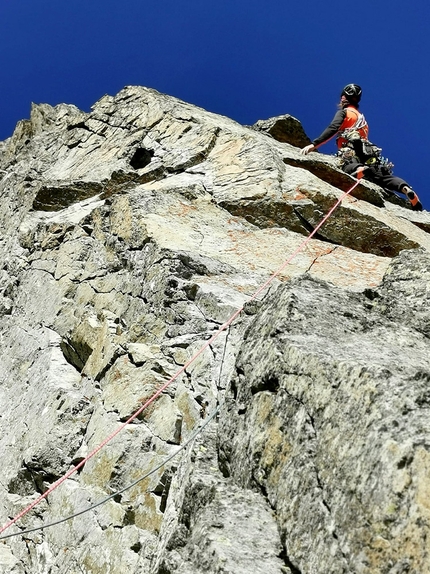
(248, 60)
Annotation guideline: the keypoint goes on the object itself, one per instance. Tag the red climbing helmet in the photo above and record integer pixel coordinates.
(352, 93)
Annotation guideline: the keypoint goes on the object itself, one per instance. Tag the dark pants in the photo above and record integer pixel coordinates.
(377, 174)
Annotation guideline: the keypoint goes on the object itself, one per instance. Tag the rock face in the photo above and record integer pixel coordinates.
(129, 236)
(341, 403)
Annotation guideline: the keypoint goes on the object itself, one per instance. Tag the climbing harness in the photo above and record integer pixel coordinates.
(355, 147)
(359, 150)
(354, 126)
(360, 126)
(223, 327)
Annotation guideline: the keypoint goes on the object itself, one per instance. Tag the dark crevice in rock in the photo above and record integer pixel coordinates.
(292, 568)
(186, 130)
(422, 225)
(266, 214)
(190, 266)
(119, 352)
(81, 125)
(323, 500)
(163, 487)
(199, 157)
(220, 386)
(317, 475)
(187, 119)
(129, 517)
(269, 382)
(150, 127)
(107, 124)
(141, 158)
(174, 170)
(32, 477)
(55, 198)
(283, 555)
(310, 228)
(76, 461)
(371, 294)
(136, 547)
(76, 353)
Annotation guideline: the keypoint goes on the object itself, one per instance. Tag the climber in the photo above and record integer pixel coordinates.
(355, 152)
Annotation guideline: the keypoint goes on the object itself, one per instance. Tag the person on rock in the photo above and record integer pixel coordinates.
(356, 153)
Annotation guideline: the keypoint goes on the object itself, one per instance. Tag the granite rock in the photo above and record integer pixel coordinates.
(129, 236)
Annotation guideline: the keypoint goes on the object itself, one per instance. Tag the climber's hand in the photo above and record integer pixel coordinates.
(307, 149)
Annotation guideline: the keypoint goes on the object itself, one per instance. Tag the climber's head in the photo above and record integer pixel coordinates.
(351, 94)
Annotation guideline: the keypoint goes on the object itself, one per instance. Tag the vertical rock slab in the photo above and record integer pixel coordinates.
(328, 414)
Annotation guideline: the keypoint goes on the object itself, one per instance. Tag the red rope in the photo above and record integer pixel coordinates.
(181, 370)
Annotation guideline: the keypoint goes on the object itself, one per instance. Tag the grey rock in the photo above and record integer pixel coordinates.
(330, 418)
(218, 527)
(286, 129)
(129, 236)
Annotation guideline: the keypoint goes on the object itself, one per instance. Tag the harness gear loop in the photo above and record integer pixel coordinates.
(355, 147)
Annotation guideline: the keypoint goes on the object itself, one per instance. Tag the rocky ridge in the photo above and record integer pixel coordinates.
(129, 235)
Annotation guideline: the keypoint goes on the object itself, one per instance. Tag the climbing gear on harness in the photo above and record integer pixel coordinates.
(413, 198)
(355, 147)
(364, 152)
(353, 127)
(352, 92)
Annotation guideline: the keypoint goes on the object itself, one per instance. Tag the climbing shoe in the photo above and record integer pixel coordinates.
(413, 198)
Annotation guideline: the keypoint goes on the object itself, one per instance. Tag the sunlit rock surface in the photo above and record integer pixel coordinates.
(129, 235)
